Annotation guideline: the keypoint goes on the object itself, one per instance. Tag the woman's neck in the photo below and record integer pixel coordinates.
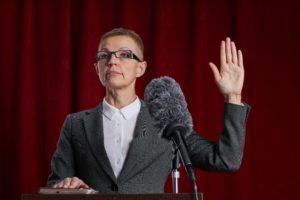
(120, 98)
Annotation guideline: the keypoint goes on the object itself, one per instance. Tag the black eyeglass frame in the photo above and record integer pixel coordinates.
(110, 53)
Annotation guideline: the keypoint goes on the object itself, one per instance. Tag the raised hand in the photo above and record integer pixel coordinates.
(230, 77)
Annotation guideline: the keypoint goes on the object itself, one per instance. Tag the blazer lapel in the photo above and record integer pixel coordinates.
(94, 130)
(139, 145)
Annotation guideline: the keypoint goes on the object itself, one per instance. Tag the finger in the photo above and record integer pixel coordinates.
(83, 185)
(59, 184)
(78, 183)
(234, 54)
(86, 186)
(75, 183)
(228, 50)
(222, 54)
(66, 182)
(240, 59)
(215, 71)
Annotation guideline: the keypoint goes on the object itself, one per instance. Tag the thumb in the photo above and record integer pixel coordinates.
(215, 71)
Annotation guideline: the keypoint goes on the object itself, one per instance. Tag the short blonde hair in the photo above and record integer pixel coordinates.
(125, 32)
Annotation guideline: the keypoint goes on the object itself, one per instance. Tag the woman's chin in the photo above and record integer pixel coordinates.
(114, 84)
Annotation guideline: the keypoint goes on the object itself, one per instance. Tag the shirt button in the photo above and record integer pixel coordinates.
(118, 140)
(118, 162)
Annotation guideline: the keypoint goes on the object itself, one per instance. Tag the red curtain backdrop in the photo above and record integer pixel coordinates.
(47, 50)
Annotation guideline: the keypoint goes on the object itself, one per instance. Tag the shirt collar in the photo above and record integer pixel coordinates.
(127, 112)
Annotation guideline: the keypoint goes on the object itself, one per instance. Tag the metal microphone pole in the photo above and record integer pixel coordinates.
(175, 171)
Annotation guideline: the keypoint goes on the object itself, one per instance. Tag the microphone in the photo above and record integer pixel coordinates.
(166, 103)
(168, 107)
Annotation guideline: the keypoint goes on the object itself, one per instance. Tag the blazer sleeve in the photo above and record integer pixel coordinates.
(226, 155)
(62, 163)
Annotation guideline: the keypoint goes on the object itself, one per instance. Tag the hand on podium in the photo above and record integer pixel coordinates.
(71, 183)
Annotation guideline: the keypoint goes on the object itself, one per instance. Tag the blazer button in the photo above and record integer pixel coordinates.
(114, 187)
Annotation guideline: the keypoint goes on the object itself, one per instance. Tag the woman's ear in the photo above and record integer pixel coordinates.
(96, 68)
(141, 69)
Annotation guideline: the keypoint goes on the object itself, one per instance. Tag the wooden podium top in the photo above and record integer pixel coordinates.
(163, 196)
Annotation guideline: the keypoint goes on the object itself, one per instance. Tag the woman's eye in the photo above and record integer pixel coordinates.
(125, 54)
(103, 55)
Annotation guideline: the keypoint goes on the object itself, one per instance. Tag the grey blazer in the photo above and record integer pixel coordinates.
(80, 152)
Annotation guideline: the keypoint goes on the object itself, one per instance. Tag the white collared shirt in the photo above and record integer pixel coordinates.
(118, 128)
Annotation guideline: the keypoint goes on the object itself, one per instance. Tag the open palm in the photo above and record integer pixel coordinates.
(230, 77)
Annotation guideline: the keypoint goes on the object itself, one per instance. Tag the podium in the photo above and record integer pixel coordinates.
(163, 196)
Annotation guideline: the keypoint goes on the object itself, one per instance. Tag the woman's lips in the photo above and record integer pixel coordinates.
(113, 73)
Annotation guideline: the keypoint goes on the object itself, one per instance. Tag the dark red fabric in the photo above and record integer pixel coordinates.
(47, 50)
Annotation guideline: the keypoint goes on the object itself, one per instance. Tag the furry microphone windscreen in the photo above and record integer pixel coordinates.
(166, 103)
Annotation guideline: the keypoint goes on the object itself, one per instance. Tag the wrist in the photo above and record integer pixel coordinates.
(234, 99)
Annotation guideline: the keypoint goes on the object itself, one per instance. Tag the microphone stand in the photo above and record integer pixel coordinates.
(175, 171)
(174, 133)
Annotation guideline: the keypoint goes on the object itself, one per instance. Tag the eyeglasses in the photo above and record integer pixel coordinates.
(123, 54)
